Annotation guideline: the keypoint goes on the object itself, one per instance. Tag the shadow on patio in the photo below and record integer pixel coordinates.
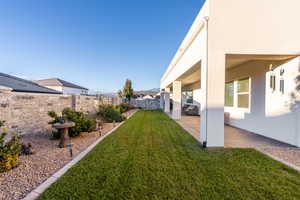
(233, 137)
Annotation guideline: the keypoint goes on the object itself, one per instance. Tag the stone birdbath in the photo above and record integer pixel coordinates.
(64, 130)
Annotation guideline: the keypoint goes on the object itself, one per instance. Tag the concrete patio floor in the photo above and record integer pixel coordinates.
(233, 137)
(238, 138)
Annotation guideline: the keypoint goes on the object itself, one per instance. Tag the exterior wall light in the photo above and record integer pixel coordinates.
(272, 78)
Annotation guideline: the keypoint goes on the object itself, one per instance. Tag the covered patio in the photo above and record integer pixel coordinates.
(233, 137)
(238, 138)
(246, 85)
(251, 72)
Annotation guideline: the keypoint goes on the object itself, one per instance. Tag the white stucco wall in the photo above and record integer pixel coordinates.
(58, 88)
(193, 53)
(271, 113)
(197, 98)
(68, 90)
(256, 27)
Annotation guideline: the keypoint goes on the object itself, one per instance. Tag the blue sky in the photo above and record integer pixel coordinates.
(94, 43)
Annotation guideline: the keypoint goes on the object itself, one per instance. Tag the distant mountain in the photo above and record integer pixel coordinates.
(153, 90)
(94, 92)
(110, 94)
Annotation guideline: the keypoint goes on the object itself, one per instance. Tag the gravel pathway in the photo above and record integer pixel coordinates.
(46, 160)
(291, 155)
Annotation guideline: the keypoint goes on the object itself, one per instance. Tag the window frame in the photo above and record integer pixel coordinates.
(243, 93)
(232, 96)
(236, 93)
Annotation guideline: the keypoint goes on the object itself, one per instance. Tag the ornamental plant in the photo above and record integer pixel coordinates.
(82, 123)
(123, 107)
(109, 114)
(9, 151)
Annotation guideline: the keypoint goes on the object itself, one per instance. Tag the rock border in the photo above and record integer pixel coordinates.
(34, 194)
(291, 165)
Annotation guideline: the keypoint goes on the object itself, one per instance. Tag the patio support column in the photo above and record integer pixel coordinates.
(162, 99)
(167, 100)
(212, 98)
(212, 102)
(176, 113)
(298, 128)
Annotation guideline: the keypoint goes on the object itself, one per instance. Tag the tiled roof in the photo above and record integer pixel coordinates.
(59, 82)
(21, 85)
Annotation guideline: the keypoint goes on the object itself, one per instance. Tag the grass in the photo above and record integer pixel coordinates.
(151, 157)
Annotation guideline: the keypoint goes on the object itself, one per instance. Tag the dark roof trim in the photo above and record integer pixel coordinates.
(21, 85)
(41, 92)
(59, 82)
(72, 85)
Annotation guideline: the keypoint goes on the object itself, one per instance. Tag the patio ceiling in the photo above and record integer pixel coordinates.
(233, 60)
(191, 78)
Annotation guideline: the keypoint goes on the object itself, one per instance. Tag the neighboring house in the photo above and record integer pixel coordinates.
(21, 85)
(63, 86)
(148, 97)
(241, 58)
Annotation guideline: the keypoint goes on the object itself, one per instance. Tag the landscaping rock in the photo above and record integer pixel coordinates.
(47, 159)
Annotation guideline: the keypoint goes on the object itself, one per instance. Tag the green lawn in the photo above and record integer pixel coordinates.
(151, 157)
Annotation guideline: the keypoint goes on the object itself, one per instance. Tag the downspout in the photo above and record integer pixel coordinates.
(205, 19)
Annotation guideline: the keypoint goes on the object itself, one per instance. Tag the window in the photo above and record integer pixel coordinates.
(243, 93)
(229, 94)
(237, 93)
(188, 96)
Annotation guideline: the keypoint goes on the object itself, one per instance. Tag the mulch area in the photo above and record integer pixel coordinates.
(46, 160)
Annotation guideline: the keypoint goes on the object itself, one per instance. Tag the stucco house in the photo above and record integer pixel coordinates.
(240, 62)
(63, 86)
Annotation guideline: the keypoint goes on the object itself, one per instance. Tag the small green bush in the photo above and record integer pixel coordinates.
(9, 151)
(109, 113)
(82, 123)
(123, 107)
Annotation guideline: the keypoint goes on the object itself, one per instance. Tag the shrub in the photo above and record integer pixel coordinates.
(9, 151)
(123, 107)
(82, 123)
(109, 114)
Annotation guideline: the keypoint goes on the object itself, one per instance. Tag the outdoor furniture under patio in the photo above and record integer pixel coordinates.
(189, 109)
(64, 132)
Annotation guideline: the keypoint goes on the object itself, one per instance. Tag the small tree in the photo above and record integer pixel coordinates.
(127, 90)
(120, 94)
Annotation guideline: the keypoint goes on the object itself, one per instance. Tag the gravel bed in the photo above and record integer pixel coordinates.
(291, 155)
(46, 160)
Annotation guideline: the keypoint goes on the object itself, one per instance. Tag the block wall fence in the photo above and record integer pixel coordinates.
(25, 113)
(148, 104)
